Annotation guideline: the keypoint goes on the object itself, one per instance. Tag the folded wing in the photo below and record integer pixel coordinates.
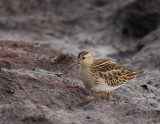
(112, 73)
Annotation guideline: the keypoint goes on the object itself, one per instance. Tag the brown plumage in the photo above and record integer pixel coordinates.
(82, 54)
(103, 74)
(113, 73)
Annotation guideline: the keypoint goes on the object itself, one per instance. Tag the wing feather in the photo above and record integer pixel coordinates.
(113, 73)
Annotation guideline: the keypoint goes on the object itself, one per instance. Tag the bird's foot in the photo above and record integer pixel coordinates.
(109, 97)
(97, 95)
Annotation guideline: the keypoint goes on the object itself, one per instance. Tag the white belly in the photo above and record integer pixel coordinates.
(103, 88)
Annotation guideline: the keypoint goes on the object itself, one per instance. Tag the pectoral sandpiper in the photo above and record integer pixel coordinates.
(102, 75)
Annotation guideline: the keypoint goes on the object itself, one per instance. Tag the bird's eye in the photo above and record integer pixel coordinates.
(83, 57)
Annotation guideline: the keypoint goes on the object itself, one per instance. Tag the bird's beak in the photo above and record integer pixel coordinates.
(76, 63)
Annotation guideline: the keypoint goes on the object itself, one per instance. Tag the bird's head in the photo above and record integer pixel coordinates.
(84, 58)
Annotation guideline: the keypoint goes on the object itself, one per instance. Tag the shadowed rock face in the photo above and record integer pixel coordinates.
(139, 18)
(43, 38)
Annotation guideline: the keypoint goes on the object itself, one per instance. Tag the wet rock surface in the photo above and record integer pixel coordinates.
(40, 39)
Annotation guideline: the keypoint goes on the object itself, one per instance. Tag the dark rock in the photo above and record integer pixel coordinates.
(34, 119)
(139, 18)
(100, 3)
(145, 87)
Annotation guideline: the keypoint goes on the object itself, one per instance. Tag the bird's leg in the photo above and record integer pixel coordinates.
(109, 97)
(97, 95)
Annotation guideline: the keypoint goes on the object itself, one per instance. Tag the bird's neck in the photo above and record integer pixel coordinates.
(87, 65)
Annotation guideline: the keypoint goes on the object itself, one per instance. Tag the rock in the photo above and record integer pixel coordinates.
(43, 39)
(138, 18)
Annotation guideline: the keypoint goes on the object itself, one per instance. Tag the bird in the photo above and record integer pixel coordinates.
(102, 75)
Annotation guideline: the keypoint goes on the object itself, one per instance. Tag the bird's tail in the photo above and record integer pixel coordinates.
(130, 74)
(140, 72)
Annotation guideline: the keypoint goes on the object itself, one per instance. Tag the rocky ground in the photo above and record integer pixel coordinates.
(40, 39)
